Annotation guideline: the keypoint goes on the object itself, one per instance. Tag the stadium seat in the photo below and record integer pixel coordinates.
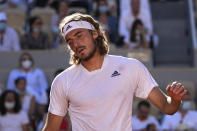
(16, 19)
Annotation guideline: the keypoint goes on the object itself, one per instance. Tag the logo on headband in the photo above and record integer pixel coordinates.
(68, 27)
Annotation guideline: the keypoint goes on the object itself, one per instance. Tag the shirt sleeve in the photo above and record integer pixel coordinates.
(58, 98)
(147, 20)
(25, 119)
(10, 82)
(145, 82)
(166, 123)
(123, 28)
(42, 80)
(155, 121)
(16, 45)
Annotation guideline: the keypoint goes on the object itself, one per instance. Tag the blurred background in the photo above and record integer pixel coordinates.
(159, 33)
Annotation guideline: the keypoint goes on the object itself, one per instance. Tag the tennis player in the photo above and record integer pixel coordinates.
(98, 89)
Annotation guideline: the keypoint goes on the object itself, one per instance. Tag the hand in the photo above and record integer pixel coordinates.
(176, 91)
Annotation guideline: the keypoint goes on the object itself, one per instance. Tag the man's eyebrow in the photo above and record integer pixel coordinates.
(78, 32)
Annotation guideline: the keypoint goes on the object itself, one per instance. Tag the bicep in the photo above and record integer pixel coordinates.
(52, 122)
(157, 98)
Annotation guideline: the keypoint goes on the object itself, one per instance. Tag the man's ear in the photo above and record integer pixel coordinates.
(94, 34)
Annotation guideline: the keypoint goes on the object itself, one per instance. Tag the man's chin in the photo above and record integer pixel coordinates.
(85, 58)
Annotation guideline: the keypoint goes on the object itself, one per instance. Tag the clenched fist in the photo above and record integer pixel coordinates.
(176, 91)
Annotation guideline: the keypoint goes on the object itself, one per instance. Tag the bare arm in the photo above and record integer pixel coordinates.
(52, 122)
(32, 108)
(168, 104)
(25, 127)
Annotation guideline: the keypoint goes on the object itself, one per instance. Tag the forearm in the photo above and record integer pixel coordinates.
(163, 102)
(171, 106)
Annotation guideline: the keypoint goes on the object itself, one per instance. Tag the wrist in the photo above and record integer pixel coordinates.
(177, 102)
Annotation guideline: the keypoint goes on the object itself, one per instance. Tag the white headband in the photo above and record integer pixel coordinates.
(75, 25)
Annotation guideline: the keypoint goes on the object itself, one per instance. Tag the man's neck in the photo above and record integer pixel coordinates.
(94, 63)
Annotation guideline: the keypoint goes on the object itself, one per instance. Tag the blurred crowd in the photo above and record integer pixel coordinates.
(33, 25)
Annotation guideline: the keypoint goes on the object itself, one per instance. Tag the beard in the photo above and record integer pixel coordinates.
(90, 54)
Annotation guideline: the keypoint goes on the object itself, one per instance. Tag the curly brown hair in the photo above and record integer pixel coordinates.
(101, 40)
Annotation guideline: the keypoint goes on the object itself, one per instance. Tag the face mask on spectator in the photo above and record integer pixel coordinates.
(36, 30)
(103, 9)
(186, 105)
(2, 26)
(137, 35)
(9, 105)
(26, 64)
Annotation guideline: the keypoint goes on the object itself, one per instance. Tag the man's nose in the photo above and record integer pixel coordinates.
(76, 43)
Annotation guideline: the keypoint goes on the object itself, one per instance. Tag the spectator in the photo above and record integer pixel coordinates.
(4, 4)
(128, 18)
(107, 21)
(27, 100)
(36, 80)
(82, 6)
(125, 6)
(62, 11)
(36, 38)
(143, 119)
(7, 43)
(12, 118)
(138, 36)
(184, 119)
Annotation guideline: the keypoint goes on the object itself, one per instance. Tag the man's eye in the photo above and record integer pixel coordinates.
(78, 36)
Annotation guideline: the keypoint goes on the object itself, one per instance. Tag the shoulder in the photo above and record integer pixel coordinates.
(22, 114)
(124, 60)
(126, 14)
(14, 71)
(23, 117)
(152, 118)
(134, 117)
(10, 30)
(63, 76)
(37, 70)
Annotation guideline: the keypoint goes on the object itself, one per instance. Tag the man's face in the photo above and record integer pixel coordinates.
(37, 24)
(10, 97)
(135, 5)
(81, 42)
(21, 85)
(143, 112)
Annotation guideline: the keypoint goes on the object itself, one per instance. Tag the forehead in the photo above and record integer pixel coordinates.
(22, 81)
(25, 56)
(74, 32)
(9, 95)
